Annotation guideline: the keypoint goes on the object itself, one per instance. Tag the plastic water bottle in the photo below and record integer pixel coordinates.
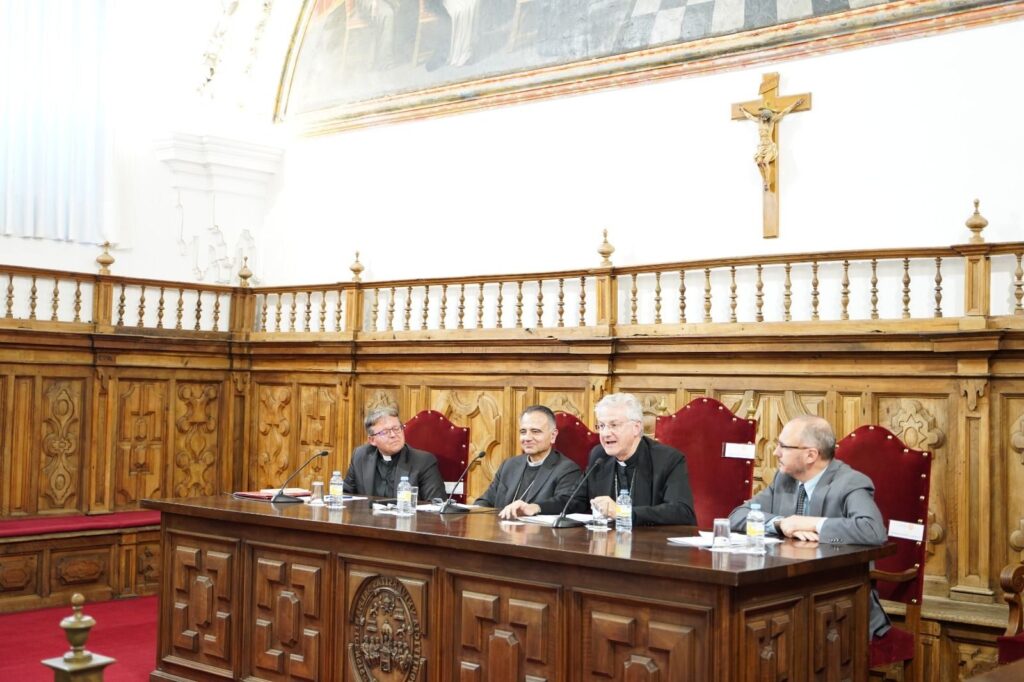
(624, 512)
(755, 527)
(336, 491)
(404, 495)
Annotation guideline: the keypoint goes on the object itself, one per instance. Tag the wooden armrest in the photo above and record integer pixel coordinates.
(1012, 581)
(904, 576)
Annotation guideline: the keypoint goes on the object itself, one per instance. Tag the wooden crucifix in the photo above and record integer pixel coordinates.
(767, 112)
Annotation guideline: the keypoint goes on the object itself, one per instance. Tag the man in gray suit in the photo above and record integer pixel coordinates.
(817, 498)
(378, 466)
(540, 480)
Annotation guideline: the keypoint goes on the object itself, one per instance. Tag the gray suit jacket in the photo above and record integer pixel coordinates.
(843, 495)
(551, 488)
(846, 498)
(418, 465)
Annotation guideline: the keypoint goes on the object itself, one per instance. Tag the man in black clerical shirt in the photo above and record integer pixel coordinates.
(540, 480)
(378, 466)
(654, 474)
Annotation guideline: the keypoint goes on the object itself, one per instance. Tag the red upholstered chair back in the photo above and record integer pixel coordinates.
(700, 431)
(431, 431)
(574, 440)
(902, 479)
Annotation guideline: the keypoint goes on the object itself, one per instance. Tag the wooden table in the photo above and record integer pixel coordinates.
(260, 591)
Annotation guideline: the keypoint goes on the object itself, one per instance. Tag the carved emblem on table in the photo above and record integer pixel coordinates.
(386, 633)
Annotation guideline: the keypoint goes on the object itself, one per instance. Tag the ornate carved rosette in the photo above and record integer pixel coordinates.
(386, 634)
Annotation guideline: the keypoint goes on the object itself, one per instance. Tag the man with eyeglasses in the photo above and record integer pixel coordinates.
(817, 498)
(378, 466)
(654, 473)
(540, 480)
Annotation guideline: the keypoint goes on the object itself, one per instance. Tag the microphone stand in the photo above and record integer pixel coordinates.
(449, 507)
(564, 521)
(279, 496)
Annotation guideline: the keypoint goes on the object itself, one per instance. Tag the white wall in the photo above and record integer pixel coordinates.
(900, 140)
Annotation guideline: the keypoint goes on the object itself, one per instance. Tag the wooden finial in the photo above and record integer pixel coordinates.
(976, 223)
(105, 259)
(605, 251)
(76, 629)
(356, 268)
(245, 273)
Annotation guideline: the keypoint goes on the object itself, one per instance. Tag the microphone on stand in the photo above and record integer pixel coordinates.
(564, 521)
(448, 507)
(279, 496)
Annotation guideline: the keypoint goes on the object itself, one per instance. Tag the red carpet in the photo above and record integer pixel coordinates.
(125, 629)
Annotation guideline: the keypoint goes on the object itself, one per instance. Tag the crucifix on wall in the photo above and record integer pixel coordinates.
(767, 112)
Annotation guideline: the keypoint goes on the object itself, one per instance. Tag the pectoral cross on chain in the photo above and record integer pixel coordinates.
(767, 112)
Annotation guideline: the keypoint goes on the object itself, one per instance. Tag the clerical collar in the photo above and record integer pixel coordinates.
(533, 464)
(386, 458)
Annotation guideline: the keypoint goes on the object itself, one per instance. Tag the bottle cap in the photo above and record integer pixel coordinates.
(405, 478)
(337, 473)
(623, 492)
(755, 507)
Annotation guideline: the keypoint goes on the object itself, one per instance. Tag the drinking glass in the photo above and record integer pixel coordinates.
(599, 521)
(721, 535)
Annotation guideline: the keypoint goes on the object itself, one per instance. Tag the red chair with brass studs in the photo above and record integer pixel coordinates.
(902, 478)
(431, 431)
(1011, 644)
(701, 431)
(574, 439)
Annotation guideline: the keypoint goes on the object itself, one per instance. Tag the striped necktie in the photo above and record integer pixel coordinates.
(801, 500)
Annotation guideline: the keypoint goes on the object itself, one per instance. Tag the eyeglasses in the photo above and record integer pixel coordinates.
(783, 446)
(393, 431)
(612, 426)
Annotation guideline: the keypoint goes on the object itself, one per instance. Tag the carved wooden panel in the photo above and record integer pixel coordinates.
(289, 615)
(573, 402)
(19, 494)
(387, 637)
(141, 440)
(147, 566)
(506, 632)
(833, 651)
(203, 575)
(318, 430)
(63, 432)
(773, 640)
(922, 423)
(19, 575)
(1012, 445)
(623, 640)
(273, 434)
(482, 411)
(376, 397)
(196, 438)
(85, 569)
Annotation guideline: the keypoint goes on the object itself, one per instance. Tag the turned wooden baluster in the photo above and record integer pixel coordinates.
(160, 309)
(938, 286)
(657, 298)
(32, 298)
(497, 316)
(444, 305)
(759, 297)
(181, 309)
(462, 305)
(78, 301)
(519, 304)
(142, 307)
(120, 307)
(874, 288)
(293, 311)
(307, 311)
(199, 310)
(338, 311)
(10, 296)
(732, 293)
(426, 306)
(216, 311)
(682, 297)
(906, 288)
(323, 310)
(844, 297)
(1018, 286)
(408, 308)
(540, 303)
(632, 301)
(391, 311)
(374, 310)
(561, 302)
(707, 294)
(54, 299)
(480, 305)
(814, 290)
(583, 302)
(787, 294)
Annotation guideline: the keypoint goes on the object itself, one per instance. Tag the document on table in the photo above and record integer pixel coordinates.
(706, 541)
(549, 519)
